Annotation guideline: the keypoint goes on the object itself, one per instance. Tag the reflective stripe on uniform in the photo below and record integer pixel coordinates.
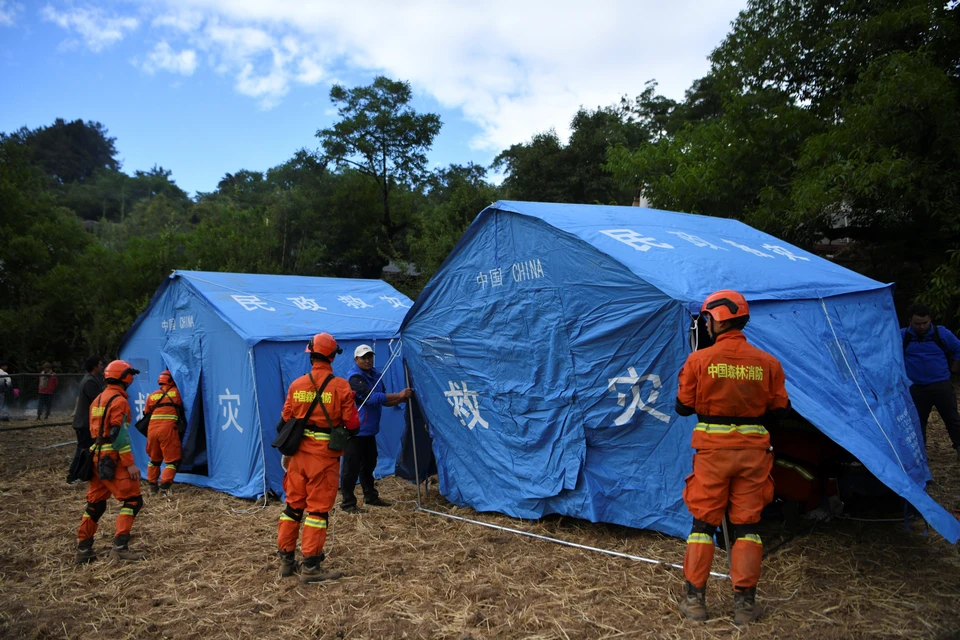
(126, 511)
(317, 523)
(284, 516)
(699, 538)
(742, 429)
(171, 466)
(162, 416)
(789, 465)
(104, 447)
(316, 435)
(751, 537)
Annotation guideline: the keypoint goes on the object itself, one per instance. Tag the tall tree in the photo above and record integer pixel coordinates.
(381, 136)
(830, 112)
(546, 170)
(70, 151)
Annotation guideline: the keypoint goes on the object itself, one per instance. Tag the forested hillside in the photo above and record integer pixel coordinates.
(817, 121)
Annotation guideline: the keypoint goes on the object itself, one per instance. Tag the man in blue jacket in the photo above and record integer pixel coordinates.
(360, 455)
(931, 353)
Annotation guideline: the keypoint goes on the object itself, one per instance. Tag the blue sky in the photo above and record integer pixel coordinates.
(206, 87)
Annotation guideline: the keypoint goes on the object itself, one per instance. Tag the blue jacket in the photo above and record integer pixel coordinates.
(362, 382)
(924, 359)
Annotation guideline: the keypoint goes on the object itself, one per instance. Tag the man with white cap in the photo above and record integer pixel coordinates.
(360, 455)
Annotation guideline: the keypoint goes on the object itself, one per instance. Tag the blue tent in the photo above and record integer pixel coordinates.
(234, 343)
(545, 354)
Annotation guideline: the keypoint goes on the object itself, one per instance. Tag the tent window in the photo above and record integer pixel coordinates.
(838, 357)
(143, 366)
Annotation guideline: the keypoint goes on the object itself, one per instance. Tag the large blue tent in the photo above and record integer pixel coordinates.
(545, 354)
(234, 343)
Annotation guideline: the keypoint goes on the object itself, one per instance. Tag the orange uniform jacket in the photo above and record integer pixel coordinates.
(337, 399)
(164, 412)
(118, 413)
(731, 386)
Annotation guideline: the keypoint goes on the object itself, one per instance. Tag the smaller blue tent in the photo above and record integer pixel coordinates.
(234, 343)
(545, 353)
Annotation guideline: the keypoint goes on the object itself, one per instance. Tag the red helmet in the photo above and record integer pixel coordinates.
(119, 371)
(165, 378)
(323, 344)
(726, 305)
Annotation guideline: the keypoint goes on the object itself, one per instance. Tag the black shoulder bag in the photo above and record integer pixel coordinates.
(290, 432)
(85, 465)
(338, 434)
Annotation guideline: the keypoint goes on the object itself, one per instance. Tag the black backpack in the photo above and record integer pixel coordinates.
(909, 337)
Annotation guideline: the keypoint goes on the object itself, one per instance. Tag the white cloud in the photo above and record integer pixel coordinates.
(97, 30)
(184, 21)
(512, 68)
(163, 57)
(8, 12)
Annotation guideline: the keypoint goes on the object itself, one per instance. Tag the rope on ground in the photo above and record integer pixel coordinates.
(59, 444)
(36, 426)
(565, 542)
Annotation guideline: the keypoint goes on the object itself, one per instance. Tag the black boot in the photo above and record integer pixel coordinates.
(694, 603)
(745, 607)
(312, 572)
(288, 563)
(121, 553)
(85, 552)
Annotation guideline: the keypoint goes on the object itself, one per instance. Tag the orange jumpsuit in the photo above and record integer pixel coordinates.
(122, 487)
(163, 439)
(802, 457)
(313, 472)
(730, 386)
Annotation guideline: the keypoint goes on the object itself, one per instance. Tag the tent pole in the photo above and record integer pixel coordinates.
(564, 542)
(413, 437)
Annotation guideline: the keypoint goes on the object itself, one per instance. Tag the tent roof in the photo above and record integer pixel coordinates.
(689, 256)
(286, 308)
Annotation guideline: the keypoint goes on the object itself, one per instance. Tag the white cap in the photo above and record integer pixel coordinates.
(362, 350)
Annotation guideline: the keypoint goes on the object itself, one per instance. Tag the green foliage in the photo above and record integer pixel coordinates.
(545, 170)
(834, 119)
(456, 195)
(381, 136)
(69, 151)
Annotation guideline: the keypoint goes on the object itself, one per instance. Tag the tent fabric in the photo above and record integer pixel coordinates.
(234, 343)
(545, 354)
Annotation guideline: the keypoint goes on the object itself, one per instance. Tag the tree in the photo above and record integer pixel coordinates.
(69, 151)
(382, 137)
(823, 113)
(455, 196)
(546, 170)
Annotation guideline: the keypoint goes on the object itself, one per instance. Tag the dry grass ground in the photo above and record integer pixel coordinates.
(211, 571)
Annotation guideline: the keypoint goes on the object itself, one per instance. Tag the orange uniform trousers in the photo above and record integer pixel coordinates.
(163, 443)
(123, 488)
(311, 484)
(738, 482)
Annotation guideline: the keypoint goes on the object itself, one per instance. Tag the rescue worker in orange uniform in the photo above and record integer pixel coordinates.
(313, 472)
(109, 420)
(163, 438)
(805, 466)
(731, 386)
